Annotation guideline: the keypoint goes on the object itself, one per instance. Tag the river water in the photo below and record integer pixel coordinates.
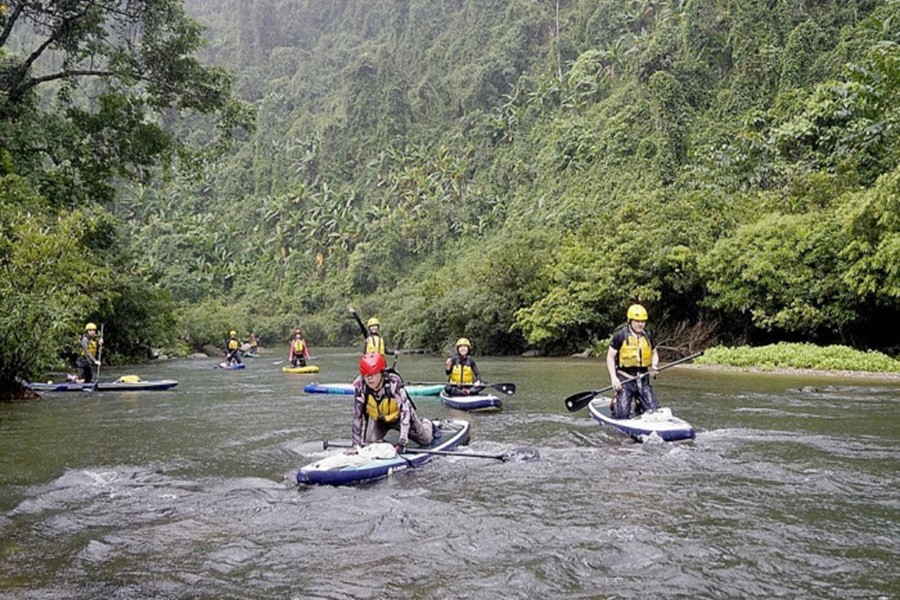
(790, 490)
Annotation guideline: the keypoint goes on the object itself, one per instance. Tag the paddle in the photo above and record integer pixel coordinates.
(576, 402)
(525, 453)
(93, 388)
(505, 388)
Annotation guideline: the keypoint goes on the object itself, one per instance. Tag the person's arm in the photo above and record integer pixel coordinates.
(611, 367)
(405, 416)
(362, 326)
(449, 368)
(306, 349)
(654, 362)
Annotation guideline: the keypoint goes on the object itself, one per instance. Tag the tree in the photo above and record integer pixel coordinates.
(109, 73)
(49, 280)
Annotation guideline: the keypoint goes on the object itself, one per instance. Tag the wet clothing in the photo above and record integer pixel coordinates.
(299, 352)
(377, 412)
(87, 357)
(634, 356)
(233, 351)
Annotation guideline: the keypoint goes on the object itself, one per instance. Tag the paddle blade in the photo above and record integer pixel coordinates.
(523, 454)
(576, 402)
(506, 388)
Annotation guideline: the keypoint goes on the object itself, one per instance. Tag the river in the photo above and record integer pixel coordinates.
(790, 490)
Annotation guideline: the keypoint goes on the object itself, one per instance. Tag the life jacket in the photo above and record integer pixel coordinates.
(375, 343)
(297, 347)
(91, 349)
(636, 351)
(385, 410)
(233, 344)
(461, 373)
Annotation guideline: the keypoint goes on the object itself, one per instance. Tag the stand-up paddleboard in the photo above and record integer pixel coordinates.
(123, 384)
(660, 422)
(472, 402)
(230, 366)
(347, 389)
(375, 461)
(306, 369)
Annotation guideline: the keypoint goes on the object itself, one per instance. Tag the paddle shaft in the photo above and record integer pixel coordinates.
(99, 358)
(501, 457)
(576, 402)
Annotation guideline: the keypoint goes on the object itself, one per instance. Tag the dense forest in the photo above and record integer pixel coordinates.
(514, 171)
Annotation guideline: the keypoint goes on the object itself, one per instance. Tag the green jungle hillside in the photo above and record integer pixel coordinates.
(515, 171)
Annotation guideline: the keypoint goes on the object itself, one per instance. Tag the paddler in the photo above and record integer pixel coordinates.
(631, 353)
(462, 372)
(88, 354)
(381, 404)
(298, 351)
(371, 331)
(233, 349)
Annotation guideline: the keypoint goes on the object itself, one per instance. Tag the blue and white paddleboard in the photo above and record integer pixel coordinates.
(375, 461)
(660, 422)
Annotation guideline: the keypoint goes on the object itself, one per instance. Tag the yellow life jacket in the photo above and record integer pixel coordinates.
(375, 343)
(386, 410)
(297, 347)
(233, 344)
(462, 374)
(635, 351)
(93, 346)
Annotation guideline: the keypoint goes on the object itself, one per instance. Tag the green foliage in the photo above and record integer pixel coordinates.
(783, 272)
(872, 225)
(209, 322)
(481, 168)
(800, 356)
(50, 281)
(84, 93)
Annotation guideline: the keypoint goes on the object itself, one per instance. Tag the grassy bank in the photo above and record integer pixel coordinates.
(800, 356)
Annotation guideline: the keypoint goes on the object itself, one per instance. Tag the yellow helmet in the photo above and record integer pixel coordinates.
(232, 333)
(373, 321)
(463, 342)
(636, 312)
(90, 326)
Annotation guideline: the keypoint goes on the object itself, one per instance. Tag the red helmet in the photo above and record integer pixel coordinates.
(371, 363)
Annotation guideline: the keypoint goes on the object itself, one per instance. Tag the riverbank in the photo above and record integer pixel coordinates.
(803, 359)
(869, 375)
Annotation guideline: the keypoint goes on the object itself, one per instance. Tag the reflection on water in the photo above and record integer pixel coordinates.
(789, 490)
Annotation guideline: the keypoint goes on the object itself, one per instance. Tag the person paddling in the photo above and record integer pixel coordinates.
(462, 371)
(298, 351)
(381, 403)
(371, 331)
(88, 354)
(233, 349)
(631, 353)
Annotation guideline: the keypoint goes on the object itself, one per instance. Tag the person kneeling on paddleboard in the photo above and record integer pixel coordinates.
(381, 404)
(462, 371)
(632, 353)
